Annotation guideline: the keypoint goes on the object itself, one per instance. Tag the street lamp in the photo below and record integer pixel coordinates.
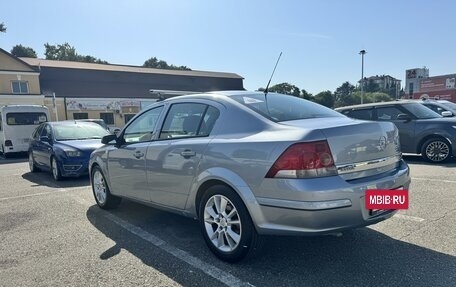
(362, 52)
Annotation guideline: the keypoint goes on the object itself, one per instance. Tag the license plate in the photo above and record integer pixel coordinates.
(374, 212)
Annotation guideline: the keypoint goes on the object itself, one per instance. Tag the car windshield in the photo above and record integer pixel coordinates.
(279, 108)
(99, 122)
(451, 105)
(421, 112)
(78, 131)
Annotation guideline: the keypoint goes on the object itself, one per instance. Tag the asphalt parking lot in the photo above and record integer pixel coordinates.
(53, 234)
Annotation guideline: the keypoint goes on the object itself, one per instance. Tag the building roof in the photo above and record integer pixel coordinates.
(17, 59)
(123, 68)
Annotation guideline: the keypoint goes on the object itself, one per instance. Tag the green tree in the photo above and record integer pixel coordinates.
(306, 95)
(66, 52)
(2, 28)
(21, 51)
(342, 94)
(160, 64)
(325, 98)
(371, 87)
(284, 88)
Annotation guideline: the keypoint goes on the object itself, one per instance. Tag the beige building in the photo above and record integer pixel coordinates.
(19, 82)
(114, 93)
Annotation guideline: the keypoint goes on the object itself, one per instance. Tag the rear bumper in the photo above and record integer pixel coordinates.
(323, 205)
(17, 147)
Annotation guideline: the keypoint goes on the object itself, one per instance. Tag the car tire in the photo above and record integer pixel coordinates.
(436, 150)
(226, 225)
(32, 164)
(55, 170)
(101, 192)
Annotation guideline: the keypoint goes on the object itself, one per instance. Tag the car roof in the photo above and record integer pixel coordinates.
(217, 95)
(70, 123)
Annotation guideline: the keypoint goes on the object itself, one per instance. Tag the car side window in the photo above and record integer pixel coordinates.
(47, 131)
(142, 128)
(364, 114)
(436, 109)
(37, 132)
(186, 120)
(388, 113)
(209, 120)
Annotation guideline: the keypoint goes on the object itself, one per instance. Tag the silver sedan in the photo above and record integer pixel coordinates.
(247, 164)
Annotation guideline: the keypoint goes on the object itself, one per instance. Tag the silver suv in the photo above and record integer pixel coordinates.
(421, 130)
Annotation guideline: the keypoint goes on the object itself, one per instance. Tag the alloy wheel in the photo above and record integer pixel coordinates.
(437, 151)
(222, 223)
(99, 187)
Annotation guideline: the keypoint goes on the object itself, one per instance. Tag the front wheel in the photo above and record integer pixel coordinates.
(56, 174)
(436, 150)
(226, 225)
(101, 192)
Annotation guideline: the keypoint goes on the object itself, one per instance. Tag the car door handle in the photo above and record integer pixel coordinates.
(138, 154)
(188, 153)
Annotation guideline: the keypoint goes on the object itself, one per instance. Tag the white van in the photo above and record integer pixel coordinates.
(17, 123)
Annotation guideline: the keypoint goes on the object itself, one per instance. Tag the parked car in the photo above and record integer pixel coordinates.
(421, 130)
(448, 104)
(64, 147)
(252, 164)
(102, 123)
(443, 108)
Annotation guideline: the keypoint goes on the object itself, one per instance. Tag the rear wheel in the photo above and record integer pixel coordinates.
(436, 150)
(226, 225)
(56, 174)
(101, 192)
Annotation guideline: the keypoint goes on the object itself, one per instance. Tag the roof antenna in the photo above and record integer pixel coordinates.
(273, 71)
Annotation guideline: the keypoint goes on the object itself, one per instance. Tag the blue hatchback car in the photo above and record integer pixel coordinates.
(64, 148)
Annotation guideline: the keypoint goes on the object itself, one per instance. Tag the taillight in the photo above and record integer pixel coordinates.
(8, 143)
(304, 160)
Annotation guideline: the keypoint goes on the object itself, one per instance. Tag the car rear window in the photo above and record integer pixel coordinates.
(279, 108)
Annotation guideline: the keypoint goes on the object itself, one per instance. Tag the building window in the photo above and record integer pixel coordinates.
(80, 116)
(19, 87)
(128, 117)
(108, 118)
(410, 89)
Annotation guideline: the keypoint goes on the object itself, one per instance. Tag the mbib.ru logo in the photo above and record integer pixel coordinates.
(387, 199)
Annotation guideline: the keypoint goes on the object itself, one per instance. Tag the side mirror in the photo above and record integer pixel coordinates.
(108, 139)
(403, 117)
(447, 114)
(45, 139)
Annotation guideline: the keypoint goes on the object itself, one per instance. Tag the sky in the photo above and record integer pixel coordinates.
(320, 39)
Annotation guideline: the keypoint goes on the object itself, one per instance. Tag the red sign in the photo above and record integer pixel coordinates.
(440, 83)
(449, 95)
(387, 199)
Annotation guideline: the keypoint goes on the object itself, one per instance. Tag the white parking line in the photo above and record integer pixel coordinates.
(434, 179)
(214, 272)
(29, 195)
(43, 193)
(408, 217)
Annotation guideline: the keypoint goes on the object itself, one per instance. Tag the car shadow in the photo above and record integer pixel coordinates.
(43, 178)
(362, 257)
(13, 158)
(417, 159)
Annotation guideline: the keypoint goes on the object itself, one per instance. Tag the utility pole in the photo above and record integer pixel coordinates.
(362, 52)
